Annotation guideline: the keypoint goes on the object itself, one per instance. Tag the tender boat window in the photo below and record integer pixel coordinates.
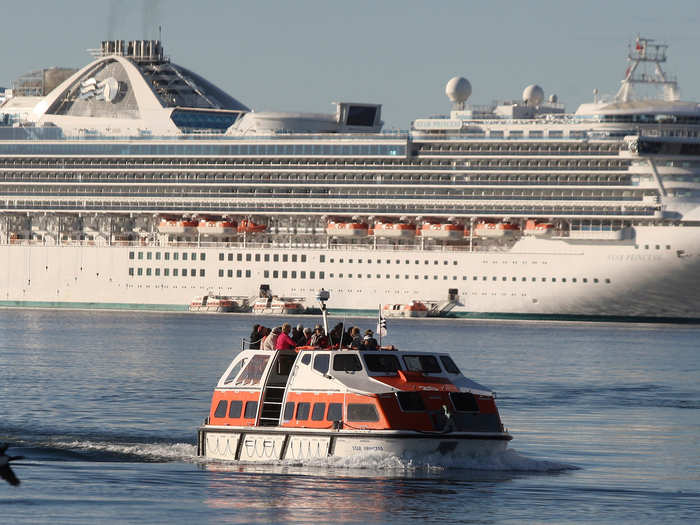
(362, 412)
(410, 401)
(422, 363)
(221, 409)
(449, 364)
(289, 411)
(321, 362)
(251, 410)
(464, 401)
(234, 371)
(306, 358)
(235, 409)
(388, 364)
(335, 412)
(252, 373)
(318, 411)
(346, 363)
(303, 411)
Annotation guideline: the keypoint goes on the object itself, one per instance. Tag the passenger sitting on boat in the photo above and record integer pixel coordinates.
(271, 340)
(254, 339)
(336, 335)
(369, 342)
(284, 342)
(356, 342)
(319, 337)
(307, 336)
(298, 335)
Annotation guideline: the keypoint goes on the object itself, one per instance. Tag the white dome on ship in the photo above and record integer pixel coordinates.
(533, 95)
(458, 89)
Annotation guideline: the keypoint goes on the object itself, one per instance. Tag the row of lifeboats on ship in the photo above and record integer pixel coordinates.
(210, 227)
(447, 231)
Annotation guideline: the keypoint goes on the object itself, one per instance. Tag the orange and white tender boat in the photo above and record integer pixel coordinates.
(445, 231)
(539, 229)
(400, 230)
(248, 226)
(316, 402)
(213, 304)
(347, 229)
(177, 226)
(412, 309)
(208, 227)
(496, 230)
(278, 305)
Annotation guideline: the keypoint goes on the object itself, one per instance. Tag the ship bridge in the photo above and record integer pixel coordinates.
(133, 88)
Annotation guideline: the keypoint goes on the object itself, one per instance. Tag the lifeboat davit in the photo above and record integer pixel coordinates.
(347, 229)
(539, 229)
(248, 226)
(396, 230)
(311, 403)
(177, 226)
(412, 309)
(495, 230)
(445, 231)
(207, 227)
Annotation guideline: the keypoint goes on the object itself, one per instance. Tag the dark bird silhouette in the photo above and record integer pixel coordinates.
(5, 471)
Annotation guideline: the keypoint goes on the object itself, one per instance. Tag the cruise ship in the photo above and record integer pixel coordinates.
(135, 183)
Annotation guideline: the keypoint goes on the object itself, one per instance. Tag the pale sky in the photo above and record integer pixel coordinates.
(304, 55)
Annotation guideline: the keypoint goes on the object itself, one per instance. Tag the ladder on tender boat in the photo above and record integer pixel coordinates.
(271, 406)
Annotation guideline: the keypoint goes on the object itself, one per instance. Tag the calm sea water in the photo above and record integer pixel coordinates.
(105, 405)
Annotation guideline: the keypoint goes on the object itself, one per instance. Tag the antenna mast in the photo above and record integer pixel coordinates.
(644, 68)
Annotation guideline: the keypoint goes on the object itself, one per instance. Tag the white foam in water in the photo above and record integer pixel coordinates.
(151, 451)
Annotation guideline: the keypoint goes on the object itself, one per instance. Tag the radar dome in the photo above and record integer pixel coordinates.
(533, 95)
(458, 90)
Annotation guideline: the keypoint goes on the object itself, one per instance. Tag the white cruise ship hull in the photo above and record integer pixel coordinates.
(652, 276)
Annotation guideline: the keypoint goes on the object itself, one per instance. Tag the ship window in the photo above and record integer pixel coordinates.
(175, 272)
(285, 257)
(585, 280)
(410, 401)
(288, 411)
(140, 255)
(321, 275)
(266, 274)
(303, 411)
(306, 359)
(382, 363)
(267, 257)
(302, 275)
(176, 255)
(275, 274)
(294, 257)
(257, 257)
(131, 271)
(247, 257)
(318, 412)
(202, 256)
(184, 256)
(239, 273)
(202, 272)
(140, 271)
(239, 256)
(131, 255)
(449, 364)
(235, 409)
(234, 371)
(321, 362)
(294, 274)
(157, 271)
(275, 257)
(284, 274)
(362, 412)
(157, 256)
(221, 409)
(322, 258)
(595, 280)
(253, 372)
(335, 412)
(347, 363)
(229, 273)
(312, 275)
(464, 401)
(251, 410)
(167, 256)
(221, 256)
(422, 363)
(193, 272)
(607, 281)
(247, 273)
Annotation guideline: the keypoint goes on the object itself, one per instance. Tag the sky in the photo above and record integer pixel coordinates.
(307, 54)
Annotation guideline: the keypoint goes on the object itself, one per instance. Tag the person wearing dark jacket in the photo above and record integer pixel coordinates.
(254, 339)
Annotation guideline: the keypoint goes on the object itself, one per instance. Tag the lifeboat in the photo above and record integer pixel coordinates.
(213, 304)
(495, 230)
(248, 226)
(539, 229)
(177, 226)
(347, 229)
(278, 305)
(443, 231)
(312, 403)
(412, 309)
(206, 227)
(396, 230)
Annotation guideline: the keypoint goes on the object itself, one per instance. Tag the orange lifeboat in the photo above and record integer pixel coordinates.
(208, 227)
(495, 230)
(396, 230)
(177, 226)
(248, 226)
(445, 231)
(412, 309)
(539, 229)
(347, 229)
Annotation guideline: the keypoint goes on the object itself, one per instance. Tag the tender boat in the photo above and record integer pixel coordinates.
(395, 230)
(177, 226)
(538, 228)
(496, 230)
(278, 305)
(443, 231)
(216, 228)
(412, 309)
(248, 226)
(313, 402)
(213, 304)
(347, 229)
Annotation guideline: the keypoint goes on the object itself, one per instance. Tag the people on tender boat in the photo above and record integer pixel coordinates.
(284, 341)
(271, 339)
(319, 337)
(369, 342)
(307, 336)
(356, 342)
(298, 335)
(254, 339)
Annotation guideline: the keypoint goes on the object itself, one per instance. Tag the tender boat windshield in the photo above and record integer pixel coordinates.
(422, 363)
(382, 363)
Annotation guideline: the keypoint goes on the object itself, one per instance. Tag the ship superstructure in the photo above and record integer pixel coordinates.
(137, 183)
